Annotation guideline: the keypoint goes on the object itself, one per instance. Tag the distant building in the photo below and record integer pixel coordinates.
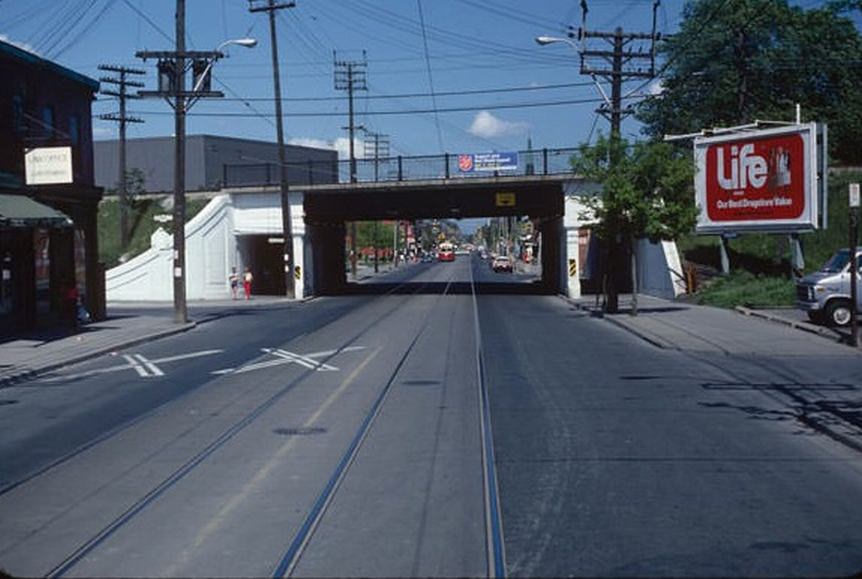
(209, 158)
(48, 234)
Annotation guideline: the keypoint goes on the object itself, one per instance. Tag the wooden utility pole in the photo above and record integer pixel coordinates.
(287, 226)
(172, 68)
(350, 75)
(622, 59)
(122, 118)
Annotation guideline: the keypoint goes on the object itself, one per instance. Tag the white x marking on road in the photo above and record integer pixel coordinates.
(144, 367)
(284, 357)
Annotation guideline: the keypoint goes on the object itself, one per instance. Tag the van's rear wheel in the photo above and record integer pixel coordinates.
(838, 313)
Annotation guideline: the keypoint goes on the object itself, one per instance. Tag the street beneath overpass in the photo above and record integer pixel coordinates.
(429, 430)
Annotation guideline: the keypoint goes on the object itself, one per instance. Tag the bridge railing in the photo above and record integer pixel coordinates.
(399, 168)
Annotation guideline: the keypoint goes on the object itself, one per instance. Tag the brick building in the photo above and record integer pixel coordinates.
(48, 233)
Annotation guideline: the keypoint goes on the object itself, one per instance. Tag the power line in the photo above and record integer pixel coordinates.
(430, 74)
(418, 111)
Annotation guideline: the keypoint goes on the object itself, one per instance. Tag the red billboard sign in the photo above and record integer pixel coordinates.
(760, 180)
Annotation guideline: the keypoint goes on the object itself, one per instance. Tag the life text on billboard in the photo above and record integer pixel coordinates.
(48, 166)
(473, 162)
(763, 180)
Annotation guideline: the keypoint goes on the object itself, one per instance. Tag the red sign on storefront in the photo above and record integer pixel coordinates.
(761, 180)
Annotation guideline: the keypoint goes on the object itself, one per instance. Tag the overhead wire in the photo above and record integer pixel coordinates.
(430, 73)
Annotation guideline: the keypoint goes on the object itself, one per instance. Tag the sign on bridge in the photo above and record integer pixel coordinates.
(473, 162)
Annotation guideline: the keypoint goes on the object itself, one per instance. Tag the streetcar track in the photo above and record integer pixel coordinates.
(177, 475)
(495, 545)
(109, 434)
(294, 552)
(301, 539)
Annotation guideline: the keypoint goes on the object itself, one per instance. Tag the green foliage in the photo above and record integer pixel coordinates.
(647, 188)
(742, 288)
(142, 225)
(734, 61)
(770, 254)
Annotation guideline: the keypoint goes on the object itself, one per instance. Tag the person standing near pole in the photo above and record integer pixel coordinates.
(233, 278)
(247, 278)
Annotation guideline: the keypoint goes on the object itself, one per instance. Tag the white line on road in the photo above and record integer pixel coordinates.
(285, 357)
(135, 364)
(142, 372)
(188, 356)
(154, 370)
(306, 361)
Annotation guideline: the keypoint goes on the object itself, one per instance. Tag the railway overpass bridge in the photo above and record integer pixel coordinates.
(242, 224)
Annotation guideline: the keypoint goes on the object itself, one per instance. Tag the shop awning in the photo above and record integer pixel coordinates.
(20, 211)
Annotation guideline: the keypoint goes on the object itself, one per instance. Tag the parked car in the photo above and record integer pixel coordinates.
(825, 294)
(502, 263)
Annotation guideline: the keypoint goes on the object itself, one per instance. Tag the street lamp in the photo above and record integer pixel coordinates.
(545, 40)
(202, 76)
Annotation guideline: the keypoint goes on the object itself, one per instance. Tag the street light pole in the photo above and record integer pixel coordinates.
(179, 269)
(172, 72)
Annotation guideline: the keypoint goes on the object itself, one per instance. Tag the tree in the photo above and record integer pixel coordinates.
(647, 192)
(735, 61)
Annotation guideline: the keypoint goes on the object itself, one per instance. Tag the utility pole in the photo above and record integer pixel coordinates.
(271, 7)
(854, 263)
(122, 118)
(172, 68)
(372, 146)
(623, 61)
(350, 75)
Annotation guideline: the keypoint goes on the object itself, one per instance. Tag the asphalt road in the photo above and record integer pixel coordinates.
(423, 430)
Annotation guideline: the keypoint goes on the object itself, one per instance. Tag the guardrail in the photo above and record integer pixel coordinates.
(399, 168)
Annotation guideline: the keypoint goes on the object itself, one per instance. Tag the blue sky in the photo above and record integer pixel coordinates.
(475, 49)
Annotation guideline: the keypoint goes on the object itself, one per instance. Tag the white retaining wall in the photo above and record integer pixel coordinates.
(212, 249)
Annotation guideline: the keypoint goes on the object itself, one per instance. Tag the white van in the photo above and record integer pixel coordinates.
(825, 294)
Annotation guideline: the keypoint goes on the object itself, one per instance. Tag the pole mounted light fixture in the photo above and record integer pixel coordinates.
(172, 67)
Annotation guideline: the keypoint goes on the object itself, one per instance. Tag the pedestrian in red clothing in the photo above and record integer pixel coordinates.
(246, 283)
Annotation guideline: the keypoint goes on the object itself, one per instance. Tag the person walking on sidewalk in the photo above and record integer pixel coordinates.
(233, 278)
(246, 283)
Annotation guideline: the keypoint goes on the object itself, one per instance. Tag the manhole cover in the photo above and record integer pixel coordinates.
(8, 402)
(421, 382)
(302, 431)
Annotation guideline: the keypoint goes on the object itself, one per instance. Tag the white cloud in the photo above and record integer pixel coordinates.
(19, 44)
(341, 144)
(104, 133)
(656, 87)
(487, 126)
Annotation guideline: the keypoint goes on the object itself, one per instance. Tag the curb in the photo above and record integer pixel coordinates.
(29, 374)
(804, 326)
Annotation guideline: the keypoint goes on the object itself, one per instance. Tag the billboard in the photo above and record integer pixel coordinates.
(48, 166)
(764, 180)
(471, 162)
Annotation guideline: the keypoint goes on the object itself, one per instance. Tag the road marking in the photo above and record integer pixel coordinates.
(144, 367)
(142, 372)
(284, 357)
(154, 370)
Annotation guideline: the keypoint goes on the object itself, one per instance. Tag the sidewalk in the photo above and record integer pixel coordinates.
(678, 325)
(128, 324)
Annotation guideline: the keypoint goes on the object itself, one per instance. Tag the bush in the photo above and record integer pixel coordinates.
(742, 288)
